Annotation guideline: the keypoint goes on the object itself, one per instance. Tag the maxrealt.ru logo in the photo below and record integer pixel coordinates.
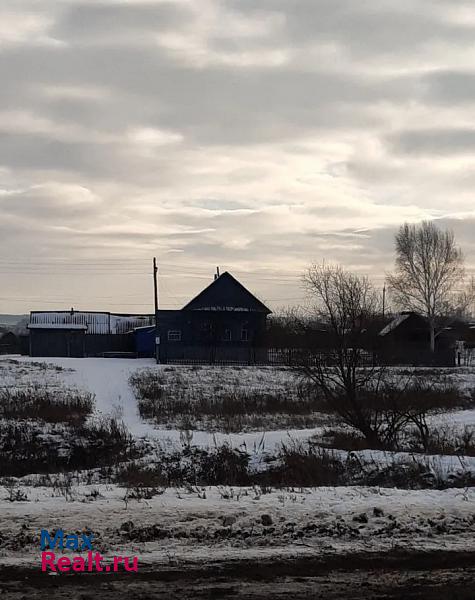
(89, 561)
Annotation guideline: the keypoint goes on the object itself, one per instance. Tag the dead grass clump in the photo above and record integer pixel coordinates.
(27, 447)
(137, 476)
(304, 465)
(344, 439)
(46, 404)
(222, 465)
(444, 440)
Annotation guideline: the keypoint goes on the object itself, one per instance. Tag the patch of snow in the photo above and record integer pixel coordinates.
(187, 524)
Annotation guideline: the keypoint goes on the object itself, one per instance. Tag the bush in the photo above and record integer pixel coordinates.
(137, 476)
(27, 447)
(383, 411)
(304, 465)
(222, 465)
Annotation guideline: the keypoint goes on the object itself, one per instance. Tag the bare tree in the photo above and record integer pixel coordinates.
(347, 380)
(429, 268)
(342, 376)
(345, 301)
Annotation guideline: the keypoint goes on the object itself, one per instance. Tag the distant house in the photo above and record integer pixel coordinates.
(225, 323)
(406, 340)
(463, 333)
(9, 343)
(83, 333)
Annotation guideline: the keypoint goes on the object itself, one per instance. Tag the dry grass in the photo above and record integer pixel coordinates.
(51, 405)
(230, 404)
(28, 447)
(294, 465)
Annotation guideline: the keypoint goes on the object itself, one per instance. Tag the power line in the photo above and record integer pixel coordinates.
(119, 268)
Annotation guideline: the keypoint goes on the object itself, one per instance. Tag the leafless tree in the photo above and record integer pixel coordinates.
(347, 380)
(291, 318)
(429, 269)
(342, 376)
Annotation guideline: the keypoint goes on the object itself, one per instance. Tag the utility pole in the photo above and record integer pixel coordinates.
(384, 300)
(155, 296)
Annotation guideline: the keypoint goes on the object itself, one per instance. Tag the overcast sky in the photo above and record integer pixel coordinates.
(257, 135)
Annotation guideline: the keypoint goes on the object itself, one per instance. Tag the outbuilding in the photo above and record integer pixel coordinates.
(406, 341)
(76, 333)
(58, 340)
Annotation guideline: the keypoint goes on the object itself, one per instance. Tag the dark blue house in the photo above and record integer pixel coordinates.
(225, 324)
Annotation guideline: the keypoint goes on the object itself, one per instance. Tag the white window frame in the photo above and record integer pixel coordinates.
(244, 338)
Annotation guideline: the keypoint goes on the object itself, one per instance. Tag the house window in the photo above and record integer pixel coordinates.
(244, 335)
(227, 335)
(174, 335)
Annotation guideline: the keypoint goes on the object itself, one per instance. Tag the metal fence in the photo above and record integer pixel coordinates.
(286, 357)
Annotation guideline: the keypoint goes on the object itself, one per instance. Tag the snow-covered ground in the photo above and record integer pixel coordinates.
(181, 522)
(220, 523)
(108, 380)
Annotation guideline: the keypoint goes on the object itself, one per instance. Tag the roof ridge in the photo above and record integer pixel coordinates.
(236, 281)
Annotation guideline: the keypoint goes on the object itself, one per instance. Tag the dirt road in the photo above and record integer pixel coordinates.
(431, 576)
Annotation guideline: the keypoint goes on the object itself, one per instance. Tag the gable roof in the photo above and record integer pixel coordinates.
(393, 324)
(400, 319)
(226, 293)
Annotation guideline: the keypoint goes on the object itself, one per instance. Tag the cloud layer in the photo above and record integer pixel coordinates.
(254, 135)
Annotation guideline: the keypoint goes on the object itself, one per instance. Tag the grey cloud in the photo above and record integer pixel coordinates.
(45, 206)
(215, 105)
(102, 20)
(362, 28)
(449, 87)
(463, 229)
(436, 142)
(41, 152)
(379, 245)
(85, 160)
